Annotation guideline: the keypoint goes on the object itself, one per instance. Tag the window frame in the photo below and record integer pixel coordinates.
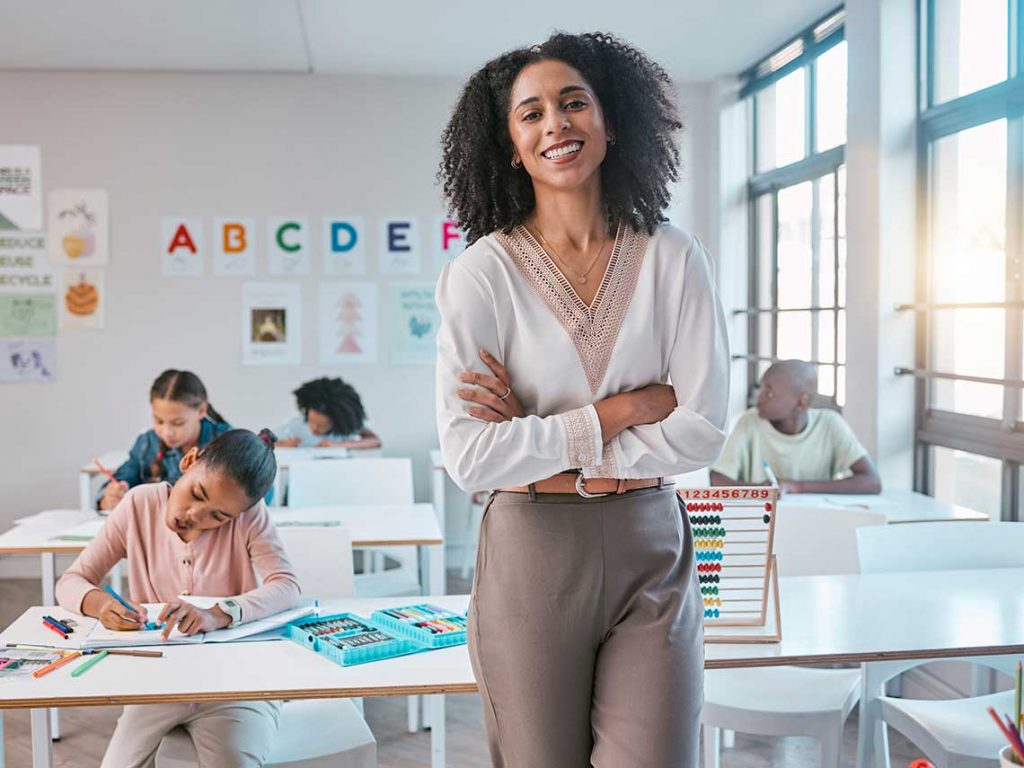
(1003, 438)
(818, 38)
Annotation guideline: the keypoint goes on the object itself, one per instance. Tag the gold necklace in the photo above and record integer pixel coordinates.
(580, 278)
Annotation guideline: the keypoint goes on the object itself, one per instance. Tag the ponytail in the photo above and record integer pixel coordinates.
(247, 458)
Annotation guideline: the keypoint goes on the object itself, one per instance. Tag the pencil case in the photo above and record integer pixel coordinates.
(424, 624)
(348, 639)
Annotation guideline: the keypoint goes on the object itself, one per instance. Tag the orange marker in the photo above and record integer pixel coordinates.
(58, 663)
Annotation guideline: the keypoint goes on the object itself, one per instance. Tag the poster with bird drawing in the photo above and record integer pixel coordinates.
(414, 323)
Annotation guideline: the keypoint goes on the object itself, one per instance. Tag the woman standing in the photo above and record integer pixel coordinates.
(561, 325)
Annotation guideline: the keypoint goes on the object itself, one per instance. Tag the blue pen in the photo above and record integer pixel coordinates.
(59, 624)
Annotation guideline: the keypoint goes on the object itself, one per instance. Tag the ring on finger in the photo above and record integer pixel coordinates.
(508, 391)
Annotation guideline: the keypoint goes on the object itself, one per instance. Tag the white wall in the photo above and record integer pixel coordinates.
(254, 145)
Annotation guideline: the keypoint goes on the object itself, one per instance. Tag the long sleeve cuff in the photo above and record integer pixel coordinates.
(583, 431)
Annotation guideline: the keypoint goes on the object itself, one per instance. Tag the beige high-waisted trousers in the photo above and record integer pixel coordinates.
(586, 631)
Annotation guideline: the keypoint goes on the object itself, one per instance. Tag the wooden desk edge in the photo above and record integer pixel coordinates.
(206, 697)
(55, 549)
(415, 690)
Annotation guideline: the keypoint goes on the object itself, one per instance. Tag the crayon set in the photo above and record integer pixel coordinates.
(349, 639)
(426, 624)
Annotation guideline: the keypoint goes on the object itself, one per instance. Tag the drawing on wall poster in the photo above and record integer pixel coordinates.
(78, 225)
(348, 323)
(414, 323)
(33, 314)
(83, 299)
(24, 267)
(23, 360)
(271, 324)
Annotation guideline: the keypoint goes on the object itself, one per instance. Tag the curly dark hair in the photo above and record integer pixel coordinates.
(337, 400)
(486, 194)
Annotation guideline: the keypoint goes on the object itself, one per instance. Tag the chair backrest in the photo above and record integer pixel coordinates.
(323, 482)
(942, 546)
(816, 542)
(700, 478)
(322, 560)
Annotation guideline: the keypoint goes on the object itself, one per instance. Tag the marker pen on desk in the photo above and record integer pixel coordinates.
(53, 628)
(58, 663)
(771, 475)
(65, 628)
(89, 663)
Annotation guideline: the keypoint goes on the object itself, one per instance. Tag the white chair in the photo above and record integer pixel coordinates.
(323, 482)
(318, 733)
(792, 701)
(954, 733)
(362, 481)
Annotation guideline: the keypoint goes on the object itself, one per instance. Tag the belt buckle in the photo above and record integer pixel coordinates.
(582, 490)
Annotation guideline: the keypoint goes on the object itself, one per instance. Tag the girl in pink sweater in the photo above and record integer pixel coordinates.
(207, 535)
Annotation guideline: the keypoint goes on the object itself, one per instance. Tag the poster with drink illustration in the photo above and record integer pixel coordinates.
(78, 227)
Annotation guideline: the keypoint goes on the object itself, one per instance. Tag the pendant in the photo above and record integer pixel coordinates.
(582, 279)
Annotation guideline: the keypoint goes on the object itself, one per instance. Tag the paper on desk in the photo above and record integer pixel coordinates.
(26, 661)
(89, 633)
(86, 531)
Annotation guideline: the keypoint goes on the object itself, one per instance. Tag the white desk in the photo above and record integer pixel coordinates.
(828, 619)
(371, 526)
(284, 456)
(897, 506)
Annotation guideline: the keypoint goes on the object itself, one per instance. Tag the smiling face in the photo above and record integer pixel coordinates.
(557, 126)
(203, 499)
(177, 424)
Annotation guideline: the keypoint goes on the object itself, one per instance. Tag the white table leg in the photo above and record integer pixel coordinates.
(1, 740)
(41, 755)
(85, 500)
(435, 583)
(437, 731)
(48, 576)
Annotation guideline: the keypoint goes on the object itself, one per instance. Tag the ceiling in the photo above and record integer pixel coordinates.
(694, 40)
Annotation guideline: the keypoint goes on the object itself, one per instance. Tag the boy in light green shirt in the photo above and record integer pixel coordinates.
(810, 450)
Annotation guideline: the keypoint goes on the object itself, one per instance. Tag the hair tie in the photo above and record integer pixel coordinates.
(265, 438)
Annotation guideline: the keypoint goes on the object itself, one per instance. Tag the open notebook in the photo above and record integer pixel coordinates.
(90, 633)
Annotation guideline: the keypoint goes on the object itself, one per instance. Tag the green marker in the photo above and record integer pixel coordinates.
(88, 664)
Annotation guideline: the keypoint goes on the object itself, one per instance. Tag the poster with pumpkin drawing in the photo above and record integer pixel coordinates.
(78, 227)
(82, 299)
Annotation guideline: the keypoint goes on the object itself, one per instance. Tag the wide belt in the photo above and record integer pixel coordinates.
(592, 487)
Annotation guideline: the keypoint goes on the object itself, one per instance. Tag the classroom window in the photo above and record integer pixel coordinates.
(968, 479)
(797, 191)
(970, 299)
(968, 46)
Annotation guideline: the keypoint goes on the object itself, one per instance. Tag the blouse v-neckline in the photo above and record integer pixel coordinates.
(592, 328)
(566, 283)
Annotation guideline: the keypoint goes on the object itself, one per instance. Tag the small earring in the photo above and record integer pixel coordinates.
(611, 140)
(516, 164)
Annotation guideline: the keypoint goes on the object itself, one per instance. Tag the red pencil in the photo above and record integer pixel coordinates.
(55, 629)
(104, 470)
(1006, 733)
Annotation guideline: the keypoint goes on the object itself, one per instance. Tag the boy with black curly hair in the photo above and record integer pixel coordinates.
(332, 415)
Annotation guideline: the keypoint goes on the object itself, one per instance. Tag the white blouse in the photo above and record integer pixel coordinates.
(656, 318)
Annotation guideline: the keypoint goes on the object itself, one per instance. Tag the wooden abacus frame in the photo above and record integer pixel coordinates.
(769, 587)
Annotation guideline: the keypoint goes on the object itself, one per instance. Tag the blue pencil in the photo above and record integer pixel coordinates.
(110, 591)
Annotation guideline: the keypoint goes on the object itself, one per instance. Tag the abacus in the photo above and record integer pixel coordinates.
(733, 530)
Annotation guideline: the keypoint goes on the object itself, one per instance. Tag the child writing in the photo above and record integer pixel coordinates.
(810, 450)
(182, 419)
(208, 534)
(332, 415)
